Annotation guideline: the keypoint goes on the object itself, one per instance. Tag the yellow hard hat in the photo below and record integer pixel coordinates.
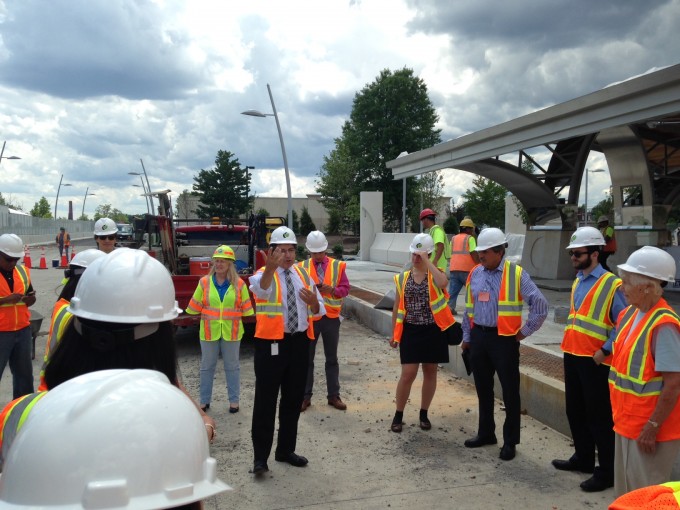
(224, 252)
(467, 222)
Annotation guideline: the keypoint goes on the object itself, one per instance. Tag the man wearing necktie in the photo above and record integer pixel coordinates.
(286, 300)
(331, 280)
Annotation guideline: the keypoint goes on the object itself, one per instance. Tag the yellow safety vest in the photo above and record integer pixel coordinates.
(334, 271)
(61, 318)
(12, 419)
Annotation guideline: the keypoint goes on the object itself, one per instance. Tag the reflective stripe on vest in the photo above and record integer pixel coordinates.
(438, 304)
(61, 318)
(221, 319)
(15, 316)
(588, 328)
(334, 271)
(510, 300)
(12, 419)
(461, 260)
(269, 314)
(634, 383)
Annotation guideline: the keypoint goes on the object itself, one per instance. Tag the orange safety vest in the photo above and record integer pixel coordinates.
(665, 496)
(510, 300)
(14, 317)
(634, 383)
(12, 419)
(61, 318)
(438, 304)
(461, 260)
(220, 319)
(588, 327)
(269, 314)
(334, 271)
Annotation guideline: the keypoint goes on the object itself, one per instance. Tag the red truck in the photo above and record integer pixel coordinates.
(186, 247)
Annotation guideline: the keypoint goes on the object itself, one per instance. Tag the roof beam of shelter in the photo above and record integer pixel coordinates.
(645, 97)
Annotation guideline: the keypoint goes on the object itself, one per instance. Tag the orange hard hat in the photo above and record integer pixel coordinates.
(427, 212)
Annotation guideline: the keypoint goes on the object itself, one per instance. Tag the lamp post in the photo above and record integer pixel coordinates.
(148, 187)
(256, 113)
(82, 214)
(146, 200)
(147, 192)
(58, 190)
(597, 170)
(3, 151)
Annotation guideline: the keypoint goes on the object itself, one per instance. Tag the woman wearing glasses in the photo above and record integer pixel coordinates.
(105, 231)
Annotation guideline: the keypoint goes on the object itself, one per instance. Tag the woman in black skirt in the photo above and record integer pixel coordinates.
(419, 317)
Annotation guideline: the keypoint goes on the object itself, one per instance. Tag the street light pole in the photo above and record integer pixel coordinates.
(255, 113)
(585, 215)
(146, 200)
(147, 186)
(147, 192)
(3, 152)
(58, 190)
(84, 199)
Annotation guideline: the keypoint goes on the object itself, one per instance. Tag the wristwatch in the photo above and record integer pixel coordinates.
(605, 351)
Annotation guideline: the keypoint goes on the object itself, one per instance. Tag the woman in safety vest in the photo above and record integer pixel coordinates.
(644, 381)
(222, 299)
(419, 317)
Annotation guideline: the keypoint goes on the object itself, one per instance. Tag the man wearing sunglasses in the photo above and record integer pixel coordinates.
(105, 232)
(596, 300)
(16, 295)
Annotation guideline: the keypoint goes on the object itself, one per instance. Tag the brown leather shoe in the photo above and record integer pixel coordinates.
(305, 404)
(337, 403)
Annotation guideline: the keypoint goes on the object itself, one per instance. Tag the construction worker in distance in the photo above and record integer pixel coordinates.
(595, 304)
(60, 314)
(331, 280)
(463, 258)
(63, 241)
(222, 299)
(286, 301)
(133, 440)
(16, 296)
(609, 238)
(492, 329)
(105, 233)
(442, 251)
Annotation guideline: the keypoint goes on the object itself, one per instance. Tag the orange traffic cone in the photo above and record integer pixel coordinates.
(63, 262)
(73, 252)
(27, 257)
(43, 260)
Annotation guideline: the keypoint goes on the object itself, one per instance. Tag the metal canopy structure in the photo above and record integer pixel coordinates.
(641, 114)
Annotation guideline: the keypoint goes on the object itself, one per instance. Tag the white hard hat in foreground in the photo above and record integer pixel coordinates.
(126, 286)
(422, 242)
(651, 261)
(316, 242)
(586, 236)
(490, 238)
(11, 245)
(110, 439)
(283, 235)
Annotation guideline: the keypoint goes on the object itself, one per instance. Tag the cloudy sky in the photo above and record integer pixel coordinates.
(90, 87)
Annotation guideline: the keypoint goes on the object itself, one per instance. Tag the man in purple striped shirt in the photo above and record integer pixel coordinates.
(492, 334)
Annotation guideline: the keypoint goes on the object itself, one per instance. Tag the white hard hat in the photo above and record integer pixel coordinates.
(651, 261)
(11, 245)
(105, 226)
(586, 236)
(422, 242)
(283, 235)
(126, 286)
(490, 238)
(111, 439)
(602, 218)
(86, 257)
(316, 242)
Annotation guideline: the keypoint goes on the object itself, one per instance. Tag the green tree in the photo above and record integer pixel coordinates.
(485, 202)
(389, 116)
(41, 209)
(295, 227)
(184, 205)
(9, 202)
(451, 225)
(223, 188)
(306, 223)
(262, 211)
(604, 208)
(107, 211)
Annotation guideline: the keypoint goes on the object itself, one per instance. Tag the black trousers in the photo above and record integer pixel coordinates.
(589, 411)
(287, 372)
(492, 354)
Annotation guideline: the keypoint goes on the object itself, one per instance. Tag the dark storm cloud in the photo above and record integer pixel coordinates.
(80, 48)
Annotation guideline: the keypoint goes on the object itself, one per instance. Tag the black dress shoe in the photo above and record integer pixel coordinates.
(570, 465)
(260, 467)
(507, 452)
(478, 441)
(593, 484)
(293, 459)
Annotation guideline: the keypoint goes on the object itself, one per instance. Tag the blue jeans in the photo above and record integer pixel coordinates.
(230, 357)
(17, 348)
(457, 281)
